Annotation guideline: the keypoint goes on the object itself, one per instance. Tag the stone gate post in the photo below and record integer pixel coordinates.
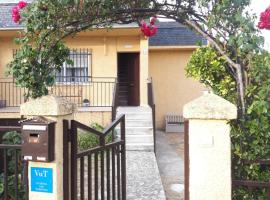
(46, 179)
(209, 147)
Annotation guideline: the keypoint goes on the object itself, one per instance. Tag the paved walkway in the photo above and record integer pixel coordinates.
(143, 179)
(170, 157)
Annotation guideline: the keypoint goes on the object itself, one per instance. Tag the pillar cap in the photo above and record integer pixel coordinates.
(210, 106)
(49, 105)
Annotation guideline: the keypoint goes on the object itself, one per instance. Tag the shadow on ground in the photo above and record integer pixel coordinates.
(170, 158)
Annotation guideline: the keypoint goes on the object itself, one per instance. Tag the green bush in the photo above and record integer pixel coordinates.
(250, 135)
(87, 140)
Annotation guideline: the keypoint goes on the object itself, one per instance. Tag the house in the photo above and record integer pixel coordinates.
(103, 56)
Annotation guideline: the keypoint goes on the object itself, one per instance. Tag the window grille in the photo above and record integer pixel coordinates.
(78, 72)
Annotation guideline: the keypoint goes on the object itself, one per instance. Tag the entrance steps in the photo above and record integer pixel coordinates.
(139, 128)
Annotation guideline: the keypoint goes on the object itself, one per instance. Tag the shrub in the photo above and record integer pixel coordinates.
(250, 135)
(87, 140)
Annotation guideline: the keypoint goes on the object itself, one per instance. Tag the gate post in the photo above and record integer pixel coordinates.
(45, 179)
(209, 172)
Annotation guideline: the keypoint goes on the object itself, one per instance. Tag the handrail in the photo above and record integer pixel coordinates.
(121, 118)
(115, 101)
(151, 103)
(151, 97)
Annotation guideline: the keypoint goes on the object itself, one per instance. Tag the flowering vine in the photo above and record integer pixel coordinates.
(151, 29)
(264, 22)
(16, 17)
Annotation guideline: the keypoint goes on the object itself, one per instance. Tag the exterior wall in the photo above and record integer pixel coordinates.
(87, 118)
(172, 89)
(6, 53)
(10, 115)
(104, 48)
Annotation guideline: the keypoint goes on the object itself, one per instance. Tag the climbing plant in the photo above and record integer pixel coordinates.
(47, 23)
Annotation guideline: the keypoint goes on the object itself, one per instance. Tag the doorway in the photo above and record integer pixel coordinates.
(128, 74)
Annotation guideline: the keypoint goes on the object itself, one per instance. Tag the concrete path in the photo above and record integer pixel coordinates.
(170, 157)
(143, 179)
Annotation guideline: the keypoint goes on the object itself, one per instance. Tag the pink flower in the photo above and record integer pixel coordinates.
(16, 18)
(264, 22)
(153, 20)
(149, 30)
(15, 10)
(22, 4)
(16, 14)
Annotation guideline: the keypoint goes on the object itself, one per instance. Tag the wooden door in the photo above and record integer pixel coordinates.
(129, 75)
(134, 80)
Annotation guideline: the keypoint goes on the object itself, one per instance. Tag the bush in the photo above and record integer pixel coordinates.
(250, 135)
(87, 140)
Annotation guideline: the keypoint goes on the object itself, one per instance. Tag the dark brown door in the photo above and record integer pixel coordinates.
(129, 79)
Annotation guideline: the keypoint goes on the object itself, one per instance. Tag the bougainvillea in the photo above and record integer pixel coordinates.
(16, 17)
(264, 22)
(151, 29)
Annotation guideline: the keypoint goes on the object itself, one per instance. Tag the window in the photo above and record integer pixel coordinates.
(78, 72)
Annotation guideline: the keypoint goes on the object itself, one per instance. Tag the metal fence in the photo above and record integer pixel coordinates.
(84, 91)
(10, 94)
(13, 171)
(254, 185)
(98, 172)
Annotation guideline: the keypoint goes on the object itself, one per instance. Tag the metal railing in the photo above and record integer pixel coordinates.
(84, 91)
(10, 94)
(252, 185)
(151, 103)
(13, 169)
(115, 102)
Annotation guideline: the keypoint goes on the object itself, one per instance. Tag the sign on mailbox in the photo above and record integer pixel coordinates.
(41, 179)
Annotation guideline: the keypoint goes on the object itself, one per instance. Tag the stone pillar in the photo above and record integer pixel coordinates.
(55, 109)
(209, 147)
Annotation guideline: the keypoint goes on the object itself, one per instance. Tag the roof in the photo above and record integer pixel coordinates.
(175, 34)
(169, 33)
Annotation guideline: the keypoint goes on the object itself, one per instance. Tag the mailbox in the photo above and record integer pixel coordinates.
(38, 139)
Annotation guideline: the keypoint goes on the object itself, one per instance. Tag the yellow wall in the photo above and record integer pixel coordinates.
(6, 53)
(171, 88)
(87, 118)
(104, 48)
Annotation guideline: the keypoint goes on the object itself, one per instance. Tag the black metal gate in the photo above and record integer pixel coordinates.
(98, 172)
(13, 171)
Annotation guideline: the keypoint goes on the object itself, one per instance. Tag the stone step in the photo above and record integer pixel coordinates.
(139, 123)
(136, 131)
(140, 147)
(137, 116)
(133, 139)
(134, 109)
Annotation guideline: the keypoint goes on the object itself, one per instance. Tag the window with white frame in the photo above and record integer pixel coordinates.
(79, 71)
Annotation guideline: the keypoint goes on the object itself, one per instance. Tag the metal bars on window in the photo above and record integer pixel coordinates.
(79, 70)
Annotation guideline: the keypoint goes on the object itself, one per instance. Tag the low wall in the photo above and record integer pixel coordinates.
(86, 116)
